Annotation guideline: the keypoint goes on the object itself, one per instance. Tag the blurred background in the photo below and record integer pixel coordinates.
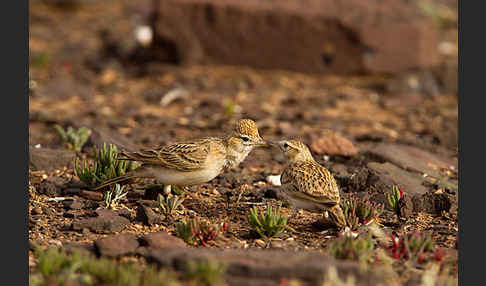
(151, 72)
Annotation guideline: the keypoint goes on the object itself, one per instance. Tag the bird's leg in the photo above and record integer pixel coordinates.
(167, 189)
(293, 212)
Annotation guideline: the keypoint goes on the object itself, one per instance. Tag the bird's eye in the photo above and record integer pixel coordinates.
(286, 145)
(245, 138)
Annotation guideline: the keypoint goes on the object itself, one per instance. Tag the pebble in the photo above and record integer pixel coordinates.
(274, 180)
(260, 242)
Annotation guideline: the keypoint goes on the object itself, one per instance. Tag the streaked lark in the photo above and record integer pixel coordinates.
(308, 185)
(193, 162)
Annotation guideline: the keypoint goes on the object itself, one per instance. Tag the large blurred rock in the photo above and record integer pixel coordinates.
(50, 159)
(271, 266)
(317, 36)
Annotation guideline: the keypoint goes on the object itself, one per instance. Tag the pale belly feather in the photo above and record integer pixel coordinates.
(171, 177)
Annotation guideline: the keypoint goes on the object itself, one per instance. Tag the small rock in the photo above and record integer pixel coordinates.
(73, 204)
(153, 192)
(108, 212)
(73, 213)
(411, 158)
(333, 144)
(36, 211)
(274, 180)
(50, 187)
(102, 224)
(390, 175)
(161, 240)
(432, 203)
(48, 211)
(148, 216)
(406, 206)
(116, 245)
(72, 191)
(91, 195)
(260, 242)
(271, 193)
(86, 247)
(50, 159)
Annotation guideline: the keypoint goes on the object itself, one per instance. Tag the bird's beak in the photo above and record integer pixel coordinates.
(261, 143)
(273, 143)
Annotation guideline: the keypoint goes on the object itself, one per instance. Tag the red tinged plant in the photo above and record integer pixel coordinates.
(197, 232)
(360, 211)
(412, 247)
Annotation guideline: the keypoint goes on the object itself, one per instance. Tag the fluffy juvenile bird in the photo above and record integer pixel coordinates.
(308, 185)
(194, 162)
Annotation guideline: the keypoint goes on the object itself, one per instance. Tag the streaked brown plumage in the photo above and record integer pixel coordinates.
(307, 184)
(194, 162)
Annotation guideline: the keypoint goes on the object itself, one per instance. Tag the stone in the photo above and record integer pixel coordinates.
(50, 159)
(108, 212)
(432, 203)
(85, 247)
(271, 193)
(314, 36)
(270, 266)
(95, 196)
(406, 206)
(333, 144)
(391, 175)
(73, 204)
(161, 240)
(116, 245)
(102, 224)
(411, 158)
(48, 188)
(146, 215)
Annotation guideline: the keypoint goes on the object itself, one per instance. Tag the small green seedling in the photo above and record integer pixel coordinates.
(349, 210)
(169, 204)
(57, 267)
(349, 248)
(394, 199)
(268, 224)
(113, 197)
(73, 140)
(205, 273)
(105, 166)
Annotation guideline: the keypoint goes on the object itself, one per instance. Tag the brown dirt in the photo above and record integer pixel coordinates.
(82, 84)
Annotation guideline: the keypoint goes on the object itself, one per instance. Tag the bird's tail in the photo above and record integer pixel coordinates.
(122, 178)
(337, 216)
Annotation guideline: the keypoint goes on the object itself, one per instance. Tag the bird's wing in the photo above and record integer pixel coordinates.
(310, 181)
(184, 156)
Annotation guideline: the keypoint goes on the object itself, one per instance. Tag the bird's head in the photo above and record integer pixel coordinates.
(294, 150)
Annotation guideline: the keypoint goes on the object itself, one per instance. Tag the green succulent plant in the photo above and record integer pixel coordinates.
(349, 248)
(360, 211)
(394, 198)
(169, 204)
(104, 167)
(268, 224)
(73, 140)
